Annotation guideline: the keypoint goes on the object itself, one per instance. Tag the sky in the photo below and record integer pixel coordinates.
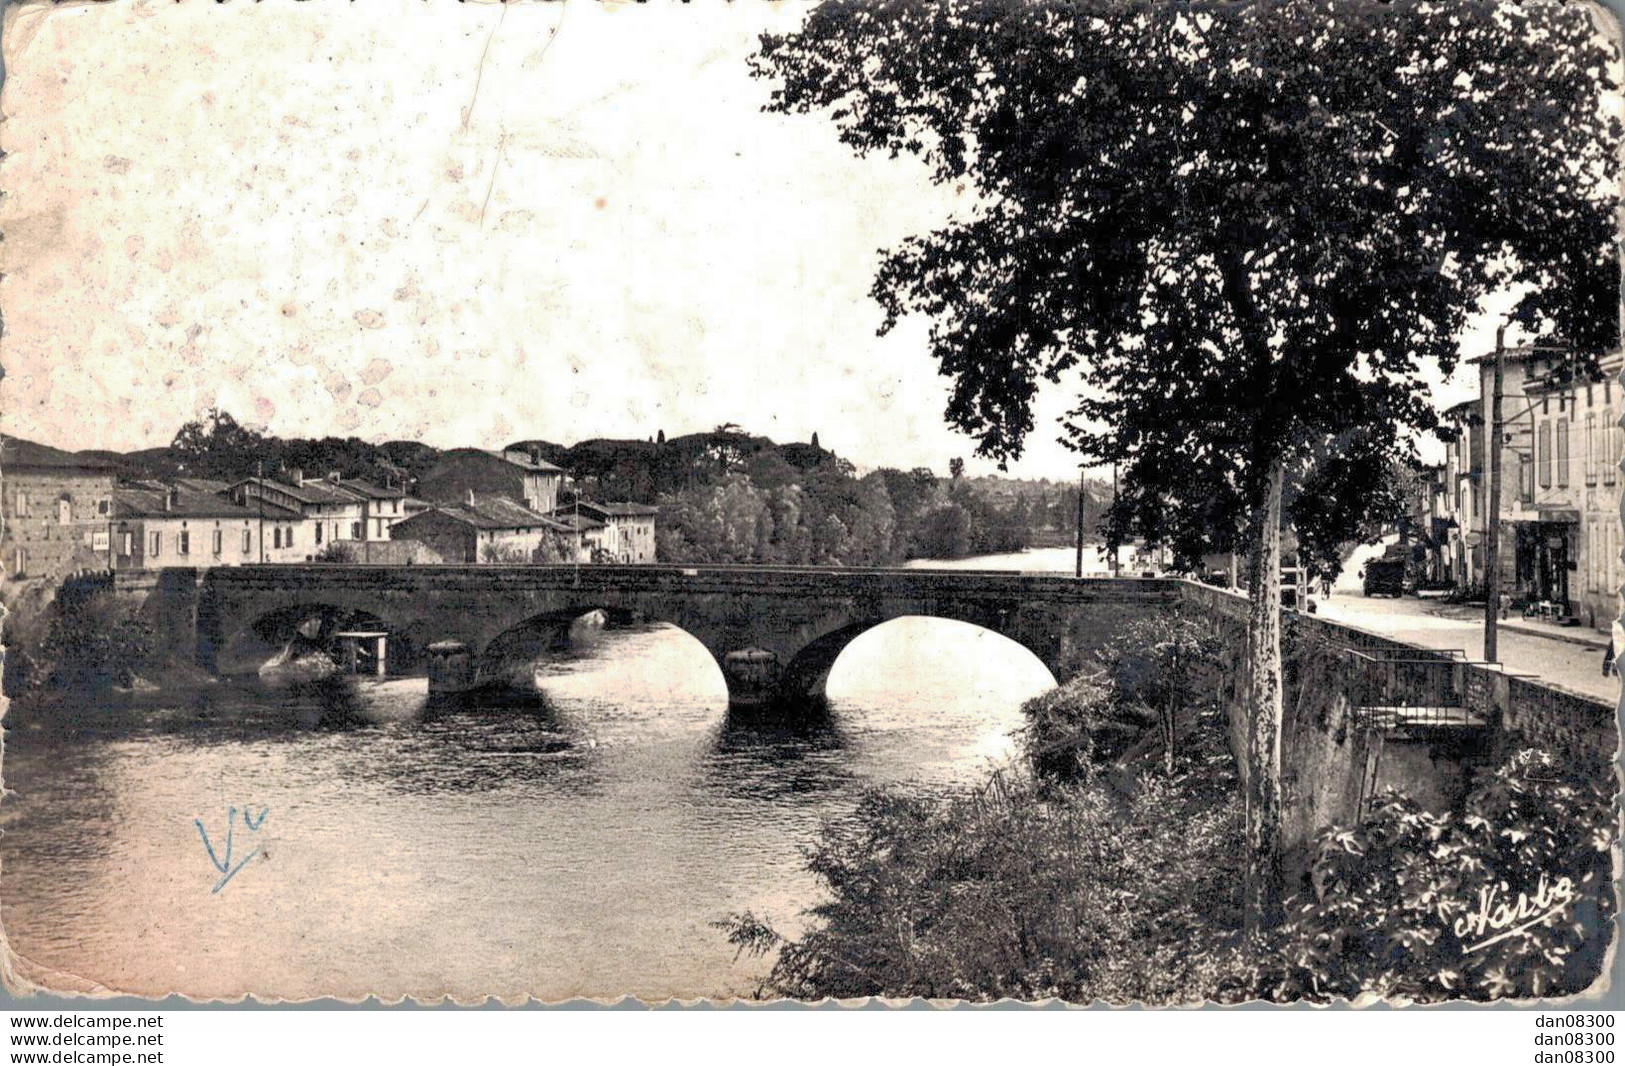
(463, 224)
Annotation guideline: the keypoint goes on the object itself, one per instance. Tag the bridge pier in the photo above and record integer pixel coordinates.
(753, 678)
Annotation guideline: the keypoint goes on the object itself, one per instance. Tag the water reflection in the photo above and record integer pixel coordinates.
(578, 840)
(776, 757)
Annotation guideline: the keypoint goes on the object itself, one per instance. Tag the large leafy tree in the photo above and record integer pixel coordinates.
(1246, 227)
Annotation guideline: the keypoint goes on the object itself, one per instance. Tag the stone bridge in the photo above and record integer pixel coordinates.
(801, 618)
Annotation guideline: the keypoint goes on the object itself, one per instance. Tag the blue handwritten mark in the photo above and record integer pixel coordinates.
(223, 863)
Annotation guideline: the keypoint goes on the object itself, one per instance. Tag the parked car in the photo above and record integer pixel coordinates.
(1384, 576)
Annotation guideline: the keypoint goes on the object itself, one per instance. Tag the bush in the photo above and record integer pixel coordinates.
(1014, 892)
(97, 640)
(1138, 693)
(1429, 907)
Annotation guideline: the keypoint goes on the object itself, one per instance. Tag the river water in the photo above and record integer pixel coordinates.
(375, 843)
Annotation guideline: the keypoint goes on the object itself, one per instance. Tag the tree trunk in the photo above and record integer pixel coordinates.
(1261, 776)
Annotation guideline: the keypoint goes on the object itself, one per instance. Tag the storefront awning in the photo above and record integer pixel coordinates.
(1559, 514)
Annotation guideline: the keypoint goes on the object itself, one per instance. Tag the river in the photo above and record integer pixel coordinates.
(580, 846)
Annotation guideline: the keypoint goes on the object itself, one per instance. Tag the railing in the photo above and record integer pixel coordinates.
(1392, 692)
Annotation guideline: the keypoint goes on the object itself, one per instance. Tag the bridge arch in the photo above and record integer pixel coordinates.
(551, 632)
(806, 677)
(309, 624)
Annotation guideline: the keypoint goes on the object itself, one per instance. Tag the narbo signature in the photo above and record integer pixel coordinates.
(1498, 914)
(223, 860)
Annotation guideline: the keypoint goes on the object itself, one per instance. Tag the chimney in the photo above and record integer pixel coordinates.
(296, 476)
(170, 495)
(471, 497)
(332, 475)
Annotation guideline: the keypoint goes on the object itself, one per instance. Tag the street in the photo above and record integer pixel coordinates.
(1432, 624)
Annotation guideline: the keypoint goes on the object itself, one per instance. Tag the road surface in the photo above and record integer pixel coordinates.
(1573, 666)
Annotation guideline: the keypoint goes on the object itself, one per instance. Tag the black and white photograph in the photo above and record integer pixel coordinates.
(1085, 502)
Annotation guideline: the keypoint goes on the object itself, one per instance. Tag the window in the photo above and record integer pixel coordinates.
(185, 547)
(1544, 452)
(157, 547)
(276, 537)
(98, 540)
(101, 507)
(19, 561)
(1594, 551)
(1526, 479)
(1612, 437)
(219, 542)
(64, 511)
(1591, 450)
(126, 544)
(318, 532)
(1563, 453)
(355, 530)
(288, 537)
(248, 541)
(22, 505)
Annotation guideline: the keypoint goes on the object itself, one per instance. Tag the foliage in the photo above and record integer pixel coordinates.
(336, 552)
(1164, 665)
(1132, 697)
(97, 639)
(1247, 227)
(1395, 902)
(217, 446)
(552, 549)
(770, 510)
(1013, 891)
(1071, 728)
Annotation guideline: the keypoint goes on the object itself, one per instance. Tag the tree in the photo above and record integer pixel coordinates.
(216, 445)
(956, 468)
(1247, 228)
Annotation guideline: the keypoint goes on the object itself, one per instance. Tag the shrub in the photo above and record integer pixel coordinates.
(97, 640)
(1099, 890)
(1427, 907)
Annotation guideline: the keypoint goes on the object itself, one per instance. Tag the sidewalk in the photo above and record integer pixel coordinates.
(1516, 623)
(1568, 658)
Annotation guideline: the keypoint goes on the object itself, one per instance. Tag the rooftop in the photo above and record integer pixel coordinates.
(495, 512)
(147, 501)
(369, 490)
(620, 510)
(312, 490)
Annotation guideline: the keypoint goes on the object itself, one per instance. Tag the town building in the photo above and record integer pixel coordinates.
(584, 534)
(1462, 427)
(156, 525)
(515, 474)
(1558, 534)
(330, 513)
(1564, 511)
(54, 507)
(486, 529)
(381, 505)
(1429, 526)
(628, 534)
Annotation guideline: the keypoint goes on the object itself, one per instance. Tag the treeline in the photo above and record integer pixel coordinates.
(724, 495)
(799, 505)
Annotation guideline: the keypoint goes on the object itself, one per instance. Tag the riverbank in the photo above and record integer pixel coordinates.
(1107, 866)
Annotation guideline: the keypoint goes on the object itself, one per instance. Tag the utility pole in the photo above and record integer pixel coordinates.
(1078, 570)
(1117, 548)
(259, 486)
(1492, 562)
